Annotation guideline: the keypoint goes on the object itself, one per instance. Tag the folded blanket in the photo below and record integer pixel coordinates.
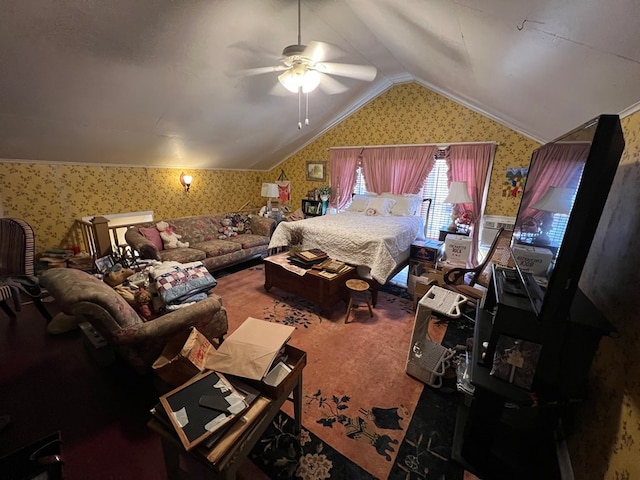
(177, 282)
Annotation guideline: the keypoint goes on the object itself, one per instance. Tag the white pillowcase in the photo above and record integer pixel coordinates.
(406, 205)
(380, 206)
(359, 202)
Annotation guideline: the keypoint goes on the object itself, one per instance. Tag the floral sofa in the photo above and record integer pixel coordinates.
(203, 233)
(82, 297)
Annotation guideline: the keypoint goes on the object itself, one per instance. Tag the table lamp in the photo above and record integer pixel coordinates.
(270, 191)
(555, 200)
(457, 194)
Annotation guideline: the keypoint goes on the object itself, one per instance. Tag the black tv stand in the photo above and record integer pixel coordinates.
(504, 431)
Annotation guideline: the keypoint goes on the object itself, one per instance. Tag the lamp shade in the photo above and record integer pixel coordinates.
(556, 200)
(269, 190)
(458, 193)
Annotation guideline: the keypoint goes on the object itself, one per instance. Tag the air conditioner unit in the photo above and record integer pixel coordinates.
(490, 226)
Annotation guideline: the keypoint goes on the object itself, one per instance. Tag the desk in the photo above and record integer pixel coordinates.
(227, 466)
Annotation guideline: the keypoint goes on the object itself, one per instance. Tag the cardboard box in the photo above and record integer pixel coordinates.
(447, 265)
(296, 360)
(250, 350)
(183, 357)
(534, 260)
(457, 248)
(427, 250)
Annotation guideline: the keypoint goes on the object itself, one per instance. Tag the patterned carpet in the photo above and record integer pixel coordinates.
(363, 416)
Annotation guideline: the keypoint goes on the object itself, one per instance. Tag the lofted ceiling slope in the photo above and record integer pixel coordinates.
(153, 82)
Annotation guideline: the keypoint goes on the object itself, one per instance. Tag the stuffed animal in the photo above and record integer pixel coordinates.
(227, 230)
(170, 239)
(117, 275)
(142, 301)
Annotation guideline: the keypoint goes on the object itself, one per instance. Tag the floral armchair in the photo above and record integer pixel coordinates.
(82, 297)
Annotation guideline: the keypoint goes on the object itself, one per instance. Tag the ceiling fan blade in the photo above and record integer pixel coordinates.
(321, 51)
(257, 71)
(255, 50)
(330, 85)
(359, 72)
(279, 91)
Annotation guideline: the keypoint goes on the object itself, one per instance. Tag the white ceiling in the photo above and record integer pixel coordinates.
(149, 82)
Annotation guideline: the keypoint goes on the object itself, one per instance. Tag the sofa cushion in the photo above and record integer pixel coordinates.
(182, 255)
(214, 248)
(153, 235)
(195, 229)
(248, 240)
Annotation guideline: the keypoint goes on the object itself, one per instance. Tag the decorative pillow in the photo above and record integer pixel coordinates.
(407, 204)
(359, 202)
(380, 206)
(153, 235)
(241, 223)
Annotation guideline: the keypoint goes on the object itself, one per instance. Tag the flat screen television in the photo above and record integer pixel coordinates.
(565, 192)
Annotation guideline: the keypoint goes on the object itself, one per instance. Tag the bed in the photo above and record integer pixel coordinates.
(378, 245)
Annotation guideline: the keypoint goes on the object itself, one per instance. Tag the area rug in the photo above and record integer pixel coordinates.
(363, 416)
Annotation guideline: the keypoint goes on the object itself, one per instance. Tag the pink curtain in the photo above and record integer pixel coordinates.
(397, 170)
(343, 165)
(470, 163)
(554, 165)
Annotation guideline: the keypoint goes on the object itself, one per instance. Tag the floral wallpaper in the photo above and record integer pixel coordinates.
(50, 197)
(409, 113)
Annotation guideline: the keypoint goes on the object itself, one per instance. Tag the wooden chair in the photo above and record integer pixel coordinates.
(462, 280)
(17, 266)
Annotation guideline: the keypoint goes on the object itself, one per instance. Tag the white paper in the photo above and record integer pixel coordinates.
(213, 424)
(181, 417)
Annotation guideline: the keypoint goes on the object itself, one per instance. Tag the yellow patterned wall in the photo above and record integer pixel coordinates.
(51, 197)
(409, 113)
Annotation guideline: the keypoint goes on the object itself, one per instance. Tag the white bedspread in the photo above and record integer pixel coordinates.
(379, 243)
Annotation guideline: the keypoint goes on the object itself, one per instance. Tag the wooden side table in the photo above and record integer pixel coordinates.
(198, 462)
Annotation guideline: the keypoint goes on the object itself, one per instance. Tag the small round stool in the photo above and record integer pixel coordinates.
(355, 287)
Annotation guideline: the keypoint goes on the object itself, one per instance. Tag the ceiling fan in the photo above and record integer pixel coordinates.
(304, 69)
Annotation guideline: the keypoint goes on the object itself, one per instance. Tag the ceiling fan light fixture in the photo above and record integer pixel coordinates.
(297, 77)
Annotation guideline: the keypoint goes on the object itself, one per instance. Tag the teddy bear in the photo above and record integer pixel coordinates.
(170, 239)
(227, 230)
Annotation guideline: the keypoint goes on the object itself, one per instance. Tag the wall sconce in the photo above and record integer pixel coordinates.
(185, 180)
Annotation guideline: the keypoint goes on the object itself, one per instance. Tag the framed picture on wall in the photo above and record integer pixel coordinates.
(316, 171)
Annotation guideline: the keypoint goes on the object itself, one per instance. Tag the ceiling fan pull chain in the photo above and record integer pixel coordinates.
(299, 108)
(306, 116)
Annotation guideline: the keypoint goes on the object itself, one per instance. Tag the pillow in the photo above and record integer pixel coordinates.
(406, 206)
(359, 202)
(153, 235)
(380, 206)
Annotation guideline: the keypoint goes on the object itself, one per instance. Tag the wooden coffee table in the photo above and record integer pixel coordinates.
(325, 292)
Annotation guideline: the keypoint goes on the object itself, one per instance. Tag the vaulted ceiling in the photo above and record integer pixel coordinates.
(155, 82)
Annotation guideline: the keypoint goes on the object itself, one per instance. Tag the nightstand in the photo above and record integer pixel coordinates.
(312, 208)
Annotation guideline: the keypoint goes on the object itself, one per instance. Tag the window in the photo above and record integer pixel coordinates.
(435, 187)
